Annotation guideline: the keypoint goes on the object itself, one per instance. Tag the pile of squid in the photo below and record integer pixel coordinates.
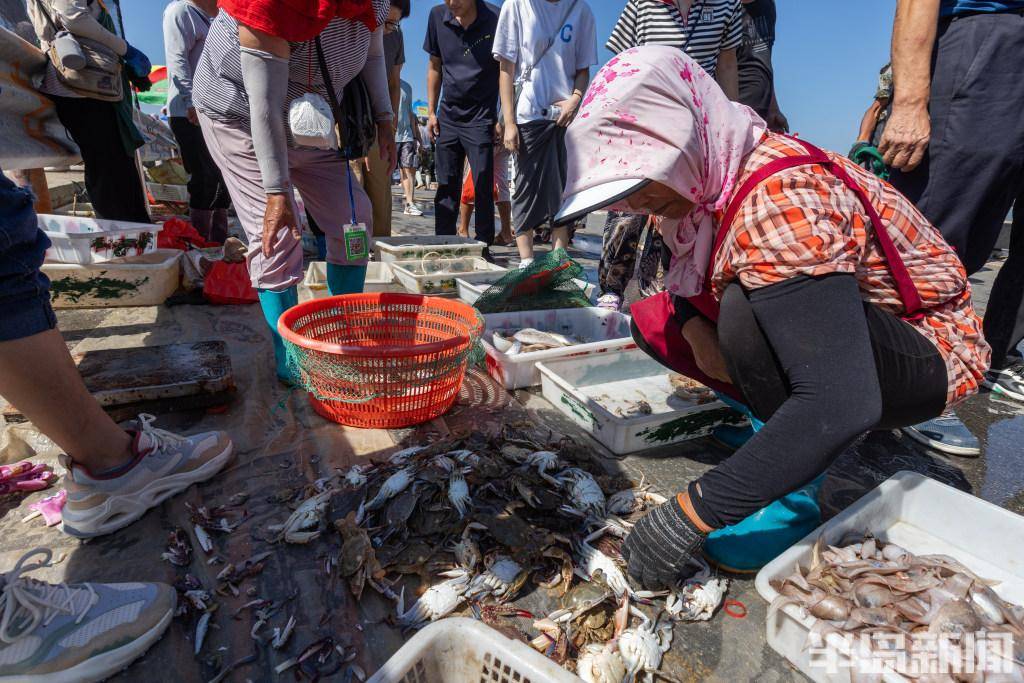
(882, 594)
(466, 526)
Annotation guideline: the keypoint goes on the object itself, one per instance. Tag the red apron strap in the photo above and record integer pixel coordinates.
(904, 284)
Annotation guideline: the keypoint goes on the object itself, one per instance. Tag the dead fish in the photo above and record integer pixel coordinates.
(551, 340)
(201, 628)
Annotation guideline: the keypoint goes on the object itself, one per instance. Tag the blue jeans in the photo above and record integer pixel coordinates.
(24, 291)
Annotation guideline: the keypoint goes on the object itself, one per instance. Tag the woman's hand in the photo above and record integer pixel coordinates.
(511, 137)
(386, 141)
(702, 337)
(568, 107)
(278, 216)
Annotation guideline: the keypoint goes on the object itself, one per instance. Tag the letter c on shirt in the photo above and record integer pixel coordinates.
(567, 33)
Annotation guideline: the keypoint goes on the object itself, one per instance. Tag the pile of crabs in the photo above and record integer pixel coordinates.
(482, 521)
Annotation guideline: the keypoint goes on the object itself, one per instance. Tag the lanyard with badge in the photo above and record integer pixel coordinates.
(355, 236)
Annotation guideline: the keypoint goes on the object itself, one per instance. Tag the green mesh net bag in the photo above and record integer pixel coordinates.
(549, 282)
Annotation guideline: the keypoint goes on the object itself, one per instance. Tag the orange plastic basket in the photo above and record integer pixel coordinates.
(381, 360)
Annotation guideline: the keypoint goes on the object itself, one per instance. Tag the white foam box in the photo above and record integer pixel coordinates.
(145, 280)
(600, 393)
(921, 515)
(469, 292)
(601, 331)
(379, 278)
(411, 247)
(438, 277)
(95, 240)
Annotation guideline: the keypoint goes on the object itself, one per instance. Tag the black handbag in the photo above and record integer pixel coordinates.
(353, 114)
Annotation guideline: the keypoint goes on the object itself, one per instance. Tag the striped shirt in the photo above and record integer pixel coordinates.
(804, 221)
(217, 88)
(710, 27)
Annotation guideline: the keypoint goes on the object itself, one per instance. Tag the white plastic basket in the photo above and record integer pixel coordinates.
(145, 280)
(591, 391)
(95, 240)
(461, 650)
(411, 247)
(921, 515)
(379, 278)
(168, 193)
(469, 292)
(430, 276)
(603, 330)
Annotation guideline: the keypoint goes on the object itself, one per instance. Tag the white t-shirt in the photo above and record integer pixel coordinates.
(524, 28)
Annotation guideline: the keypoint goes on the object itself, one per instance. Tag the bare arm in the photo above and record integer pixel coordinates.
(909, 127)
(572, 103)
(506, 91)
(433, 95)
(870, 120)
(727, 74)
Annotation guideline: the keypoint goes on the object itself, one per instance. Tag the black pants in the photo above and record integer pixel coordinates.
(451, 149)
(206, 188)
(819, 367)
(111, 175)
(974, 168)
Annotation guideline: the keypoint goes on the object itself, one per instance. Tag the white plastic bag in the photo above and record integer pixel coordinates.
(312, 123)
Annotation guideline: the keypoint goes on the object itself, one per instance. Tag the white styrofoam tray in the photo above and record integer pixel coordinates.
(921, 515)
(432, 277)
(95, 240)
(411, 247)
(469, 292)
(314, 286)
(460, 650)
(599, 393)
(145, 280)
(601, 330)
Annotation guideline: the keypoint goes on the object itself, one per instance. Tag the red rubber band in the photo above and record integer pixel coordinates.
(729, 607)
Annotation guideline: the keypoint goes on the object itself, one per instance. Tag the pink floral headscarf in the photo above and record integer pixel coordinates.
(652, 112)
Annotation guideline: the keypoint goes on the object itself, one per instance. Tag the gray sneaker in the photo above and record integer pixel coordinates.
(947, 434)
(1009, 381)
(165, 464)
(75, 633)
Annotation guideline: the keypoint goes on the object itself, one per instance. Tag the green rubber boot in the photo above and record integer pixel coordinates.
(747, 546)
(273, 305)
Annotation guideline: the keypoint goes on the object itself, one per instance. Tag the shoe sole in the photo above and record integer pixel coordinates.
(998, 389)
(128, 509)
(102, 666)
(962, 451)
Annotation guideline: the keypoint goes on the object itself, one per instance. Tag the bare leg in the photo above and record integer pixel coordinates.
(560, 238)
(38, 376)
(407, 185)
(525, 244)
(505, 214)
(465, 213)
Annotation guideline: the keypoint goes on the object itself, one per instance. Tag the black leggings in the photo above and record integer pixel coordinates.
(820, 367)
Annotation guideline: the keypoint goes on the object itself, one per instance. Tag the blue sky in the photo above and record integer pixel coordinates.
(827, 56)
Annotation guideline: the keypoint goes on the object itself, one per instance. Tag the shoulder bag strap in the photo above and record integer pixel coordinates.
(528, 73)
(904, 284)
(331, 94)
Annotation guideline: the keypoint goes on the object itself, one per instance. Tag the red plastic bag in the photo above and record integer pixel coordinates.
(179, 234)
(229, 284)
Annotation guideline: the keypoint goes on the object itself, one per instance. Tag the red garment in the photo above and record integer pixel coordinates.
(298, 20)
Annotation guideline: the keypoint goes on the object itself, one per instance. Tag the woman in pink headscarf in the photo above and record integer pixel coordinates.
(800, 285)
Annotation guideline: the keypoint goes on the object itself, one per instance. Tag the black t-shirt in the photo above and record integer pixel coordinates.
(755, 56)
(469, 71)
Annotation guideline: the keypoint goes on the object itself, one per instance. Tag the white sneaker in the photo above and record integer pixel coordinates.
(76, 633)
(525, 263)
(413, 210)
(165, 464)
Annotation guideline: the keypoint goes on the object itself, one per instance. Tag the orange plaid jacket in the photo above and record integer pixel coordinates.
(804, 221)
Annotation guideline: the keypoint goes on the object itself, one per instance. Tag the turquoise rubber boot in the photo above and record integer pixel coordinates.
(732, 436)
(345, 279)
(749, 545)
(273, 305)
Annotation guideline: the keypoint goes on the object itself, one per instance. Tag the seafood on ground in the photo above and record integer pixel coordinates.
(179, 550)
(642, 647)
(633, 500)
(458, 493)
(590, 561)
(585, 494)
(438, 601)
(600, 663)
(309, 514)
(696, 600)
(881, 591)
(391, 487)
(358, 558)
(502, 579)
(690, 389)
